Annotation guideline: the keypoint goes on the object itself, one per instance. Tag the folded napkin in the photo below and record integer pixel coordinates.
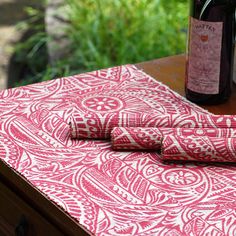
(140, 138)
(199, 137)
(136, 138)
(99, 125)
(198, 148)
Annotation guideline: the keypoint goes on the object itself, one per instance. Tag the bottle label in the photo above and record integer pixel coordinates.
(204, 56)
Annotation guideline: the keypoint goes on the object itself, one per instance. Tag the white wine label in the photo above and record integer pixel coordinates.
(204, 56)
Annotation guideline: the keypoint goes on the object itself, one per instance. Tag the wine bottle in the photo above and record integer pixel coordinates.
(209, 67)
(234, 68)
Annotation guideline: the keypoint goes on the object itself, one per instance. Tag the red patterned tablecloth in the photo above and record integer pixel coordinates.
(110, 192)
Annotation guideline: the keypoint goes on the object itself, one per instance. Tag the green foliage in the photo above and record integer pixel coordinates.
(30, 56)
(104, 33)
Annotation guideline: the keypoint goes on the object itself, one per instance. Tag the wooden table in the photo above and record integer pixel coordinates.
(171, 71)
(19, 199)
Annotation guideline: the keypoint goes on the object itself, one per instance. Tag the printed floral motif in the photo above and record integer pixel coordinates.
(180, 177)
(111, 192)
(102, 104)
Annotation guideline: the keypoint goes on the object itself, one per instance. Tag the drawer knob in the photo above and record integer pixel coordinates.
(22, 227)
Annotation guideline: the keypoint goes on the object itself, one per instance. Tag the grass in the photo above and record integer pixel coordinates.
(105, 33)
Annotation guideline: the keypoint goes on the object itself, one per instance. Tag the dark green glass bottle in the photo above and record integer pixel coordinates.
(209, 66)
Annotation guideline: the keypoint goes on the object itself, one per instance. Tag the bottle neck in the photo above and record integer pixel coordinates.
(224, 2)
(208, 3)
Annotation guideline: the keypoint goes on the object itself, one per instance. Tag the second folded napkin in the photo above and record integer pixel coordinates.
(140, 138)
(198, 148)
(182, 144)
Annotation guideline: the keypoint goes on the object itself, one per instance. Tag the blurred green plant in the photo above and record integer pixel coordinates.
(28, 62)
(104, 33)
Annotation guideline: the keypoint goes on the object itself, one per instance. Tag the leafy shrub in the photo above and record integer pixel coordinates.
(104, 33)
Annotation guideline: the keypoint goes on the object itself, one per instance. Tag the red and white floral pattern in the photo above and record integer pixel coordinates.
(198, 148)
(96, 125)
(110, 192)
(140, 138)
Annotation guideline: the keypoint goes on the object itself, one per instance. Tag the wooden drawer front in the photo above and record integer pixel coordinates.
(18, 218)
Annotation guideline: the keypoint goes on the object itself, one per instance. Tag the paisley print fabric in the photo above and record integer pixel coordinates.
(136, 138)
(140, 138)
(106, 191)
(99, 126)
(201, 148)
